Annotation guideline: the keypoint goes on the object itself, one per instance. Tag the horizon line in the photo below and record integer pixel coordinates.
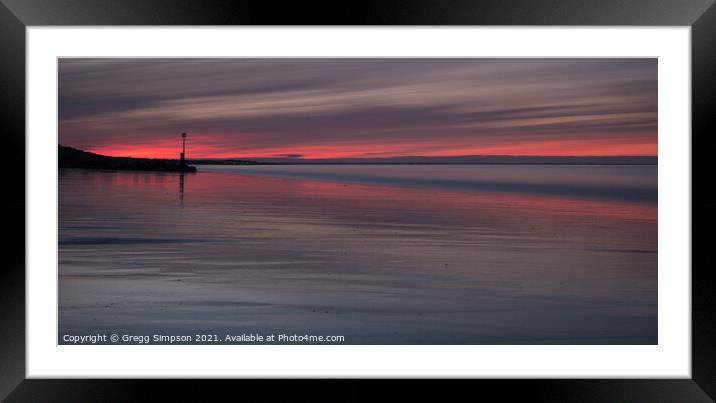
(430, 156)
(301, 158)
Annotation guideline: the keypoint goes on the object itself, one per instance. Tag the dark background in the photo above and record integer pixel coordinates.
(15, 15)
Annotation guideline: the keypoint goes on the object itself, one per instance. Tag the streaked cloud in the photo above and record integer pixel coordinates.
(320, 108)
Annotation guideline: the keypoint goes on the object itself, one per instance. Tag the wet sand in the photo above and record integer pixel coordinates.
(377, 255)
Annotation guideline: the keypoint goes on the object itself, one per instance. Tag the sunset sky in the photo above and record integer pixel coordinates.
(348, 108)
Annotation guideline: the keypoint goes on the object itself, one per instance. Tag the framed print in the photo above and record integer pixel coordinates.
(430, 191)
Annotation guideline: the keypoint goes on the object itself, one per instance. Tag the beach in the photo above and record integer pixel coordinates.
(378, 254)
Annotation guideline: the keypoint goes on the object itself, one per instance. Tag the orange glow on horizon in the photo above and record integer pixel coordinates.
(199, 150)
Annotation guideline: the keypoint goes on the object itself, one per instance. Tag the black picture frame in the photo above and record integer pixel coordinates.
(16, 15)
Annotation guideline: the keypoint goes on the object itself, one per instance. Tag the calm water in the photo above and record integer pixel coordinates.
(379, 254)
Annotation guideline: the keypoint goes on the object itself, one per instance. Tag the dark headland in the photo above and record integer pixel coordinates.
(69, 157)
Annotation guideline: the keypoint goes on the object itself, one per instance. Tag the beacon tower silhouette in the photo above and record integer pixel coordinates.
(183, 150)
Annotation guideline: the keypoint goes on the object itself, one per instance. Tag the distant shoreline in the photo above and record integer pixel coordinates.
(69, 157)
(430, 163)
(462, 160)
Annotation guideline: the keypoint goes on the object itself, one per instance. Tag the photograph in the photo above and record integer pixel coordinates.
(357, 201)
(218, 196)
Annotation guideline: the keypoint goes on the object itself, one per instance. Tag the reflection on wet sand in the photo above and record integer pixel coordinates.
(377, 263)
(181, 188)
